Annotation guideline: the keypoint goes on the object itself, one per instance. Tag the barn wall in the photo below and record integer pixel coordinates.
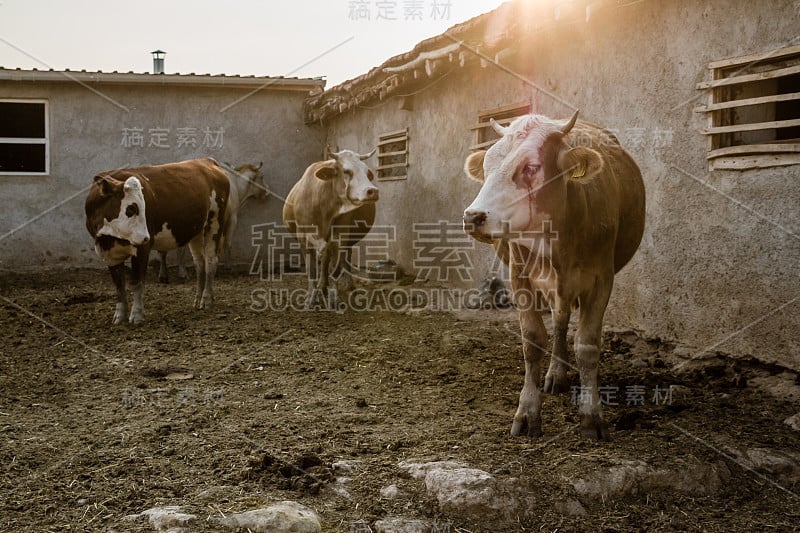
(717, 269)
(86, 136)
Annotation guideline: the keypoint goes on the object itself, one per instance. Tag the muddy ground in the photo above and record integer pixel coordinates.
(99, 422)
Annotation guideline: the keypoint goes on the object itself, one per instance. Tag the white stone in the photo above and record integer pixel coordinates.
(283, 517)
(466, 491)
(632, 478)
(391, 492)
(793, 422)
(169, 518)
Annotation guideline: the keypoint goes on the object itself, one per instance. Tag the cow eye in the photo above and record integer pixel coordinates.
(530, 169)
(370, 175)
(132, 210)
(348, 173)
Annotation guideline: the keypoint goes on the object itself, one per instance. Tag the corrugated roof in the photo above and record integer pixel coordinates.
(313, 85)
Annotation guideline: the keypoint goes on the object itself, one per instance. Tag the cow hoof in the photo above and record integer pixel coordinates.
(594, 427)
(556, 386)
(524, 426)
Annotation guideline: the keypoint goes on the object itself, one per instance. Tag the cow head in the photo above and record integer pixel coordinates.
(353, 178)
(116, 210)
(255, 180)
(523, 176)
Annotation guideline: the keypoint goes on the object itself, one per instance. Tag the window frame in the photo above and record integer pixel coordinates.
(387, 139)
(31, 140)
(720, 110)
(507, 114)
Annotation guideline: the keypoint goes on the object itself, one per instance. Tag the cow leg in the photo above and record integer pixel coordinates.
(528, 418)
(327, 256)
(138, 272)
(211, 261)
(312, 257)
(163, 275)
(180, 256)
(121, 309)
(343, 271)
(587, 355)
(197, 249)
(555, 381)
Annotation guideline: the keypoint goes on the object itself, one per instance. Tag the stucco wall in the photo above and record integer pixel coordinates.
(87, 136)
(720, 254)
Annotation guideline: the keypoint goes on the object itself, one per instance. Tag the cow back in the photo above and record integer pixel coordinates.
(180, 195)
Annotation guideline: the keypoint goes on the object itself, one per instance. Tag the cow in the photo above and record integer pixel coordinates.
(329, 210)
(564, 206)
(246, 181)
(130, 211)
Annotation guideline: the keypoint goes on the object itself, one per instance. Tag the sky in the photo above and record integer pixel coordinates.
(335, 39)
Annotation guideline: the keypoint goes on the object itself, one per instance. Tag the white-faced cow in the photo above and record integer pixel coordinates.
(564, 205)
(130, 211)
(246, 181)
(330, 209)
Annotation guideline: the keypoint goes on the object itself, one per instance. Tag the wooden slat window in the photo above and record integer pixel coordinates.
(485, 136)
(393, 155)
(753, 110)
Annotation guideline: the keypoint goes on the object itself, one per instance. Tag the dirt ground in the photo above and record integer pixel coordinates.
(99, 422)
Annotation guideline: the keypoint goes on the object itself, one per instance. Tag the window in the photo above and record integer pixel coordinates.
(485, 136)
(24, 141)
(753, 110)
(393, 155)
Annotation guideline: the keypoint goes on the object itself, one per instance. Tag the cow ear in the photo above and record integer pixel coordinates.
(107, 184)
(327, 170)
(580, 162)
(473, 166)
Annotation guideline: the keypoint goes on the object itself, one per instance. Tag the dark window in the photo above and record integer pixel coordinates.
(23, 137)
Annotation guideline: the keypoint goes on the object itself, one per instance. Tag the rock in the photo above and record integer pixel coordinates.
(683, 352)
(780, 467)
(783, 386)
(402, 525)
(639, 363)
(168, 518)
(631, 478)
(391, 492)
(344, 466)
(283, 517)
(467, 491)
(793, 422)
(571, 508)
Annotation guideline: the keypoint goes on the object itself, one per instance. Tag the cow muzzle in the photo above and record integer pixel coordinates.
(475, 225)
(371, 195)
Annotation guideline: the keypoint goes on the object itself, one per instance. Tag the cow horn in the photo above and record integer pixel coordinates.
(367, 156)
(501, 131)
(260, 164)
(568, 126)
(329, 153)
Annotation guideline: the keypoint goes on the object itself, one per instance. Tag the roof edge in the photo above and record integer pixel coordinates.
(313, 85)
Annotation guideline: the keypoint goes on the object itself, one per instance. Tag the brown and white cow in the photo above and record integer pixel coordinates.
(564, 205)
(329, 210)
(246, 181)
(130, 211)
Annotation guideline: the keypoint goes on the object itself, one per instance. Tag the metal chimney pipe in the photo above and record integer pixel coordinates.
(158, 61)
